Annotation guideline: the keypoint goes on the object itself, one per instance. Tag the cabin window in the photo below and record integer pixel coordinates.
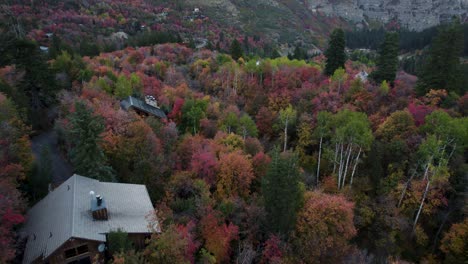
(72, 252)
(82, 249)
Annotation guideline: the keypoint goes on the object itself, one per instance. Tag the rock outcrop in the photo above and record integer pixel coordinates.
(412, 14)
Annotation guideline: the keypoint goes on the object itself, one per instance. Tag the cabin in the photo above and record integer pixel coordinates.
(147, 107)
(362, 75)
(70, 225)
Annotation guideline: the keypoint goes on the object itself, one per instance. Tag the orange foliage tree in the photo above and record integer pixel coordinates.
(235, 175)
(324, 227)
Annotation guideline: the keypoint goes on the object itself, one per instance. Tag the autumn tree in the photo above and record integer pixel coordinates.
(324, 228)
(15, 163)
(446, 135)
(272, 253)
(455, 243)
(335, 53)
(235, 175)
(282, 192)
(85, 137)
(136, 155)
(387, 63)
(287, 117)
(177, 243)
(218, 236)
(168, 247)
(398, 126)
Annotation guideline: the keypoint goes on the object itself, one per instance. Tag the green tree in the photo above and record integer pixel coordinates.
(86, 154)
(287, 117)
(339, 76)
(37, 89)
(352, 135)
(335, 53)
(123, 87)
(247, 127)
(236, 50)
(299, 53)
(387, 63)
(282, 191)
(321, 131)
(118, 241)
(230, 122)
(193, 111)
(443, 69)
(384, 88)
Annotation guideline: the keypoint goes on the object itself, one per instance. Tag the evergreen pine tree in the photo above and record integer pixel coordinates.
(299, 53)
(335, 53)
(443, 69)
(37, 90)
(282, 192)
(236, 50)
(387, 63)
(86, 154)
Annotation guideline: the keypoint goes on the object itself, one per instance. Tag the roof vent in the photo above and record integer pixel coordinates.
(98, 207)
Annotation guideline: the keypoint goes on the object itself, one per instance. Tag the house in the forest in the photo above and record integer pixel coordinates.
(363, 75)
(71, 224)
(147, 107)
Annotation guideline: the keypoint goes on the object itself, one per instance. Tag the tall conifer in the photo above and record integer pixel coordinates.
(387, 63)
(335, 53)
(442, 70)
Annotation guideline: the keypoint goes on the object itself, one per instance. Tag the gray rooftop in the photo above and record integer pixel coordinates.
(66, 213)
(142, 106)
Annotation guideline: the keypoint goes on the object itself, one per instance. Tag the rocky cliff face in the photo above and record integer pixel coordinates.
(412, 14)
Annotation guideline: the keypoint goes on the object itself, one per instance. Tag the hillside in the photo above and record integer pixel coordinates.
(286, 20)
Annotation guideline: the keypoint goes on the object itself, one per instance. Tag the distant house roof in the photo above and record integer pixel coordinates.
(142, 106)
(362, 75)
(66, 213)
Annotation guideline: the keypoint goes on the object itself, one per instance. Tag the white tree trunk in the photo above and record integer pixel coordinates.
(341, 165)
(426, 170)
(404, 190)
(355, 166)
(421, 205)
(335, 159)
(318, 162)
(285, 135)
(349, 151)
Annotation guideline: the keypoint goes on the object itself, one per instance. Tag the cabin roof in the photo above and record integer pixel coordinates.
(138, 104)
(66, 213)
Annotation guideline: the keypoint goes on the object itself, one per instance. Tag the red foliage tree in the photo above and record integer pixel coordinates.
(218, 236)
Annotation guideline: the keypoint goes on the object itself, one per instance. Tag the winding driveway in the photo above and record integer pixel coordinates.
(61, 168)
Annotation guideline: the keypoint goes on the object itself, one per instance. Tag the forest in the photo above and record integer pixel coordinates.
(263, 158)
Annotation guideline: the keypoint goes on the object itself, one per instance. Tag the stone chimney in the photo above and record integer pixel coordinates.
(98, 207)
(150, 100)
